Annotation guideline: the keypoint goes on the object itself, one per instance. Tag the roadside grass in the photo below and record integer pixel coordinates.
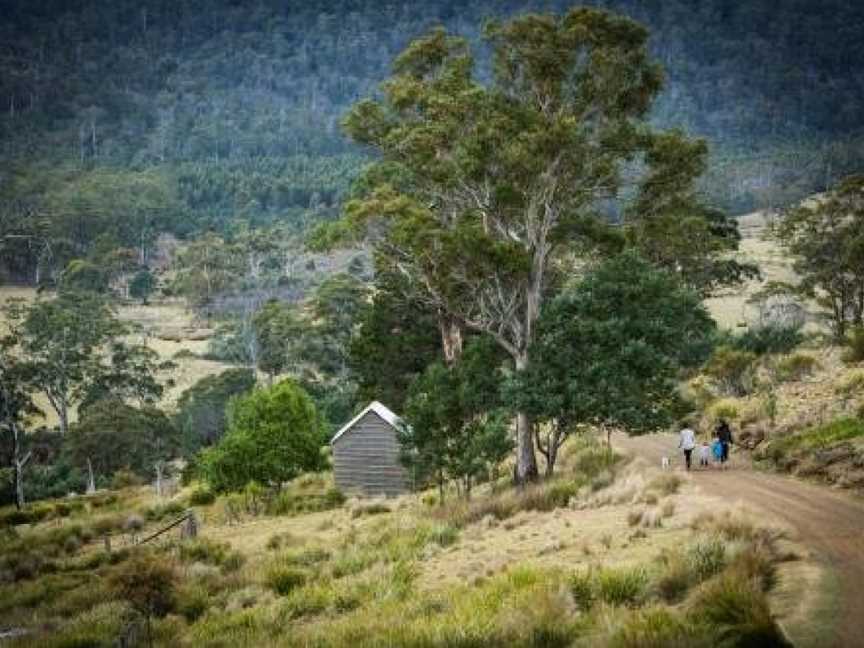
(359, 581)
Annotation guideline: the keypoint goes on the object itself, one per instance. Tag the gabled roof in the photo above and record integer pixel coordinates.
(381, 410)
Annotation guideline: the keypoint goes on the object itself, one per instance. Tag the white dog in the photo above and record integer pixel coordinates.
(665, 463)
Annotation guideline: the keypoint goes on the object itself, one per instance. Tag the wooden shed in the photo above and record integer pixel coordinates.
(366, 454)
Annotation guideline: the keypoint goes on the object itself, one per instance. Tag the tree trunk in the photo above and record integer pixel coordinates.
(451, 338)
(552, 455)
(91, 480)
(440, 489)
(526, 458)
(158, 467)
(63, 417)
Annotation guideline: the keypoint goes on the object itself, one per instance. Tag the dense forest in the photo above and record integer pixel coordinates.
(126, 119)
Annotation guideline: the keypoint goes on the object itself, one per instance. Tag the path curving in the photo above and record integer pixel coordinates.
(828, 523)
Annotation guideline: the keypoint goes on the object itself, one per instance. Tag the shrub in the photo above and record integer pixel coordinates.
(106, 525)
(726, 408)
(352, 561)
(192, 601)
(666, 484)
(274, 435)
(795, 367)
(675, 578)
(851, 384)
(762, 340)
(732, 370)
(855, 344)
(658, 628)
(308, 600)
(282, 579)
(148, 583)
(619, 587)
(125, 478)
(306, 558)
(757, 563)
(374, 508)
(707, 558)
(444, 535)
(202, 497)
(738, 611)
(163, 511)
(205, 551)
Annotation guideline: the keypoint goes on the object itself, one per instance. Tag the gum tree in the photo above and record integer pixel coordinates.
(482, 188)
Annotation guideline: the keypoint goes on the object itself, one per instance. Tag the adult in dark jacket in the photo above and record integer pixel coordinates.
(724, 435)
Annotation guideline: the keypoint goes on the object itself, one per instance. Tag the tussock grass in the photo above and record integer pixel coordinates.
(665, 484)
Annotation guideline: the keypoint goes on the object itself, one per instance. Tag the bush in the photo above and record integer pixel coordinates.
(851, 384)
(855, 343)
(675, 578)
(202, 497)
(619, 587)
(192, 601)
(375, 508)
(666, 484)
(148, 582)
(306, 557)
(795, 367)
(732, 370)
(768, 339)
(738, 611)
(161, 512)
(707, 558)
(659, 628)
(124, 478)
(282, 579)
(205, 551)
(274, 435)
(444, 535)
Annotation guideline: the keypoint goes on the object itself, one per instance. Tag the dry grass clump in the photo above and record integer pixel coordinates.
(666, 484)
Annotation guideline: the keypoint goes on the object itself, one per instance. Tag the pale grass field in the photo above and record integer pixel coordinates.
(150, 321)
(730, 309)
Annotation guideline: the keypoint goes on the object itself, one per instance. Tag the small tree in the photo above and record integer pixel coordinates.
(112, 435)
(826, 238)
(201, 408)
(149, 584)
(74, 352)
(16, 404)
(277, 332)
(274, 434)
(142, 285)
(610, 351)
(457, 427)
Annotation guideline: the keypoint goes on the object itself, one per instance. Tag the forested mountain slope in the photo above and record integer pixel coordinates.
(125, 118)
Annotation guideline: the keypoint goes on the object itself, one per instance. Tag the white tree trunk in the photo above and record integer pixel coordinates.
(91, 480)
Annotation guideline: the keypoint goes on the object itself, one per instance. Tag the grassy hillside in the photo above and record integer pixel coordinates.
(610, 553)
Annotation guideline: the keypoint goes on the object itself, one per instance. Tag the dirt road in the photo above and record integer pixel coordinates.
(830, 524)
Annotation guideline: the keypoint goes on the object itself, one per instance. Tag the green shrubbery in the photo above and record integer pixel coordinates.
(763, 340)
(855, 346)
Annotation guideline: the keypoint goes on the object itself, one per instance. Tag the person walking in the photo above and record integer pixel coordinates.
(687, 442)
(724, 435)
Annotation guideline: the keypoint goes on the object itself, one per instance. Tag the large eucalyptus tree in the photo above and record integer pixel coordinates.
(483, 185)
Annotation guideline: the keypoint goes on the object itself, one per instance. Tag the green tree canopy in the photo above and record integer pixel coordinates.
(201, 409)
(274, 434)
(826, 238)
(609, 353)
(457, 428)
(499, 181)
(112, 435)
